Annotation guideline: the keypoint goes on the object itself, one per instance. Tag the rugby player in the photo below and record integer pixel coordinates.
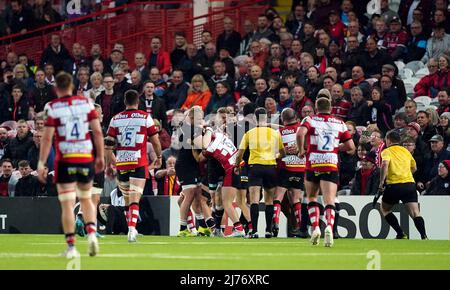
(322, 133)
(128, 133)
(68, 118)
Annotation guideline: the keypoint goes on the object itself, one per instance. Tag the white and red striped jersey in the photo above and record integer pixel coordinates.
(325, 133)
(289, 138)
(222, 149)
(131, 128)
(70, 116)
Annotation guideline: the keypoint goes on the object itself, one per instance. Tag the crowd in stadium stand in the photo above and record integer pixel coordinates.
(386, 71)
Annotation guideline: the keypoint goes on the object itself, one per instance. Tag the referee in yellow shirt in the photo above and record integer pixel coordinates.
(397, 171)
(265, 146)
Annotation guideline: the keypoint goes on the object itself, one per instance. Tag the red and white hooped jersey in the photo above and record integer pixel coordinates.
(131, 128)
(70, 116)
(325, 133)
(289, 138)
(222, 149)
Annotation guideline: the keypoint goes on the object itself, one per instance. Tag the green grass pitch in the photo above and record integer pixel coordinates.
(156, 252)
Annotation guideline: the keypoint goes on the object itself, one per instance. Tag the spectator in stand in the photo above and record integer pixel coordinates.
(159, 58)
(427, 85)
(97, 86)
(160, 83)
(400, 123)
(126, 70)
(246, 84)
(444, 128)
(204, 63)
(346, 7)
(39, 122)
(313, 83)
(380, 111)
(17, 107)
(438, 44)
(198, 95)
(98, 66)
(428, 130)
(111, 102)
(440, 184)
(4, 141)
(359, 111)
(121, 84)
(353, 29)
(351, 57)
(42, 92)
(136, 81)
(380, 33)
(77, 60)
(19, 146)
(307, 111)
(357, 80)
(176, 93)
(441, 18)
(285, 98)
(408, 11)
(229, 38)
(300, 99)
(417, 43)
(168, 183)
(411, 111)
(7, 180)
(308, 40)
(260, 94)
(328, 83)
(386, 12)
(56, 54)
(296, 22)
(367, 178)
(444, 100)
(140, 63)
(396, 39)
(340, 105)
(22, 19)
(438, 154)
(221, 97)
(336, 28)
(113, 61)
(29, 64)
(206, 39)
(220, 75)
(28, 184)
(258, 54)
(263, 30)
(373, 59)
(96, 53)
(152, 104)
(179, 51)
(249, 30)
(82, 84)
(22, 78)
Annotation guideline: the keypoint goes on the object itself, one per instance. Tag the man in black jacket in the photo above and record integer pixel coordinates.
(229, 38)
(153, 105)
(18, 147)
(4, 141)
(417, 43)
(440, 184)
(28, 185)
(42, 92)
(176, 92)
(111, 101)
(56, 54)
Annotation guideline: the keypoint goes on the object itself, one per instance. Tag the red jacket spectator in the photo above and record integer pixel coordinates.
(159, 58)
(336, 28)
(340, 109)
(430, 85)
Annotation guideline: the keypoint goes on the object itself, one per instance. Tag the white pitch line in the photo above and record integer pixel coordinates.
(212, 256)
(182, 243)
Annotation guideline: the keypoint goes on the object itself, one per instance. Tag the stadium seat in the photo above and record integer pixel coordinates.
(400, 64)
(409, 86)
(434, 102)
(401, 110)
(9, 125)
(405, 73)
(415, 65)
(431, 107)
(422, 72)
(425, 100)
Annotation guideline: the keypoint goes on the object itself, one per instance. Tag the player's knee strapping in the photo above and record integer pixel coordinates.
(83, 194)
(134, 189)
(67, 195)
(124, 187)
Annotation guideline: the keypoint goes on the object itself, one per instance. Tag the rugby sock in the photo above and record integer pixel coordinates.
(314, 214)
(276, 211)
(254, 214)
(190, 220)
(304, 219)
(337, 206)
(183, 225)
(70, 239)
(298, 213)
(211, 223)
(393, 222)
(243, 220)
(329, 215)
(134, 215)
(219, 215)
(201, 220)
(238, 226)
(269, 217)
(420, 225)
(90, 228)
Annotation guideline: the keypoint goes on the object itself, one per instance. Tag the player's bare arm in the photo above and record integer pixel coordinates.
(239, 156)
(157, 147)
(301, 133)
(383, 172)
(46, 145)
(99, 145)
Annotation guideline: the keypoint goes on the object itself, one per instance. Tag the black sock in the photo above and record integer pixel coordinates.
(337, 208)
(420, 225)
(254, 214)
(393, 222)
(243, 220)
(218, 216)
(305, 218)
(269, 217)
(211, 223)
(183, 227)
(202, 223)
